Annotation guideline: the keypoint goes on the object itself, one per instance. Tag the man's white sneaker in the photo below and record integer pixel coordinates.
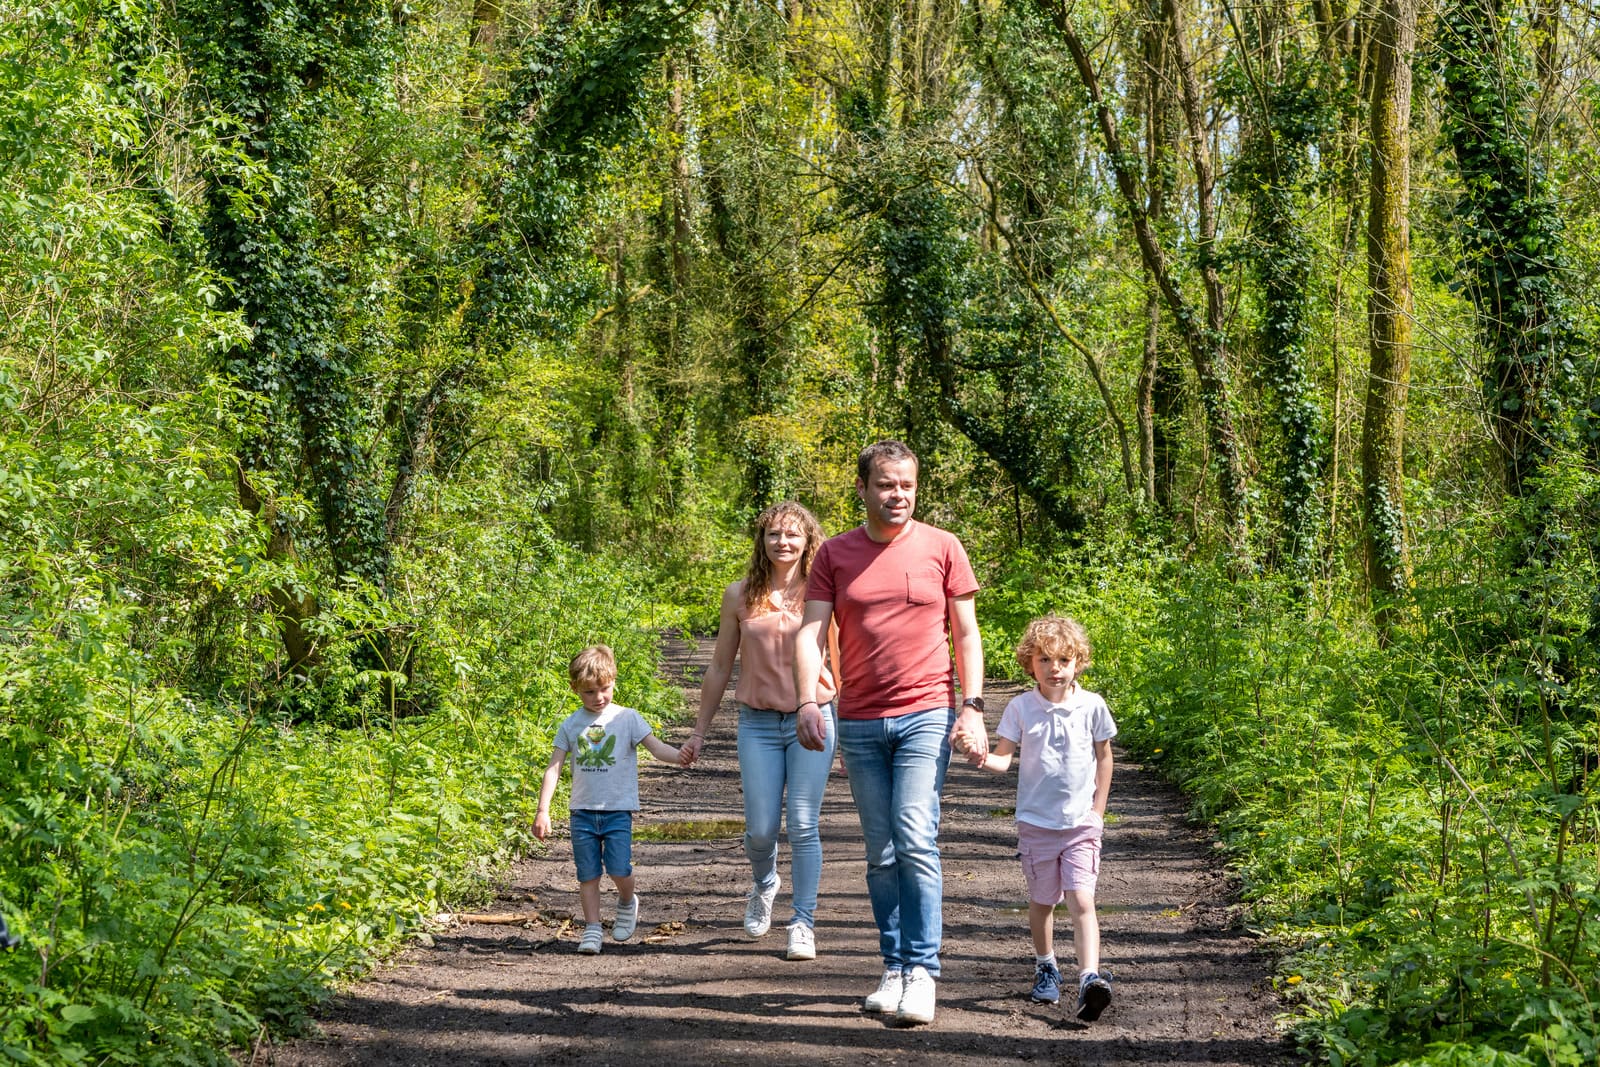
(593, 938)
(758, 912)
(627, 918)
(887, 997)
(802, 942)
(916, 1002)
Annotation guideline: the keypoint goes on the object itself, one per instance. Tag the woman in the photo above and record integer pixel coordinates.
(760, 617)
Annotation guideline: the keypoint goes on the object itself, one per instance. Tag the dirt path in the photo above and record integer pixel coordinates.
(1190, 987)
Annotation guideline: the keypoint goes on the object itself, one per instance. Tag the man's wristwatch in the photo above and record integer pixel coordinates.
(973, 702)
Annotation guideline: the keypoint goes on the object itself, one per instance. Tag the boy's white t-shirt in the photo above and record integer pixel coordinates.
(603, 752)
(1055, 760)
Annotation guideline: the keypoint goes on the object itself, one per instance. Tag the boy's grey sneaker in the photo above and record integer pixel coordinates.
(887, 996)
(593, 938)
(627, 918)
(1046, 984)
(758, 912)
(1094, 996)
(916, 1000)
(802, 942)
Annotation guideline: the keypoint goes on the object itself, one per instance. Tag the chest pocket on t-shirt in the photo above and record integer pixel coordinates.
(924, 587)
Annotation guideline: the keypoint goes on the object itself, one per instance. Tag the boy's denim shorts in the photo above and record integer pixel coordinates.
(602, 839)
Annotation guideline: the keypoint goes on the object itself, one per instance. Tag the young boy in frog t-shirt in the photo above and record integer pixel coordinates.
(1064, 734)
(603, 739)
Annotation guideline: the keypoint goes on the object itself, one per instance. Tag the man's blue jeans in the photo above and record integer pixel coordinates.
(896, 769)
(780, 776)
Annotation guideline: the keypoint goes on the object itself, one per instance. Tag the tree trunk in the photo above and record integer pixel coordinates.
(1158, 401)
(1279, 113)
(677, 415)
(1512, 239)
(1389, 309)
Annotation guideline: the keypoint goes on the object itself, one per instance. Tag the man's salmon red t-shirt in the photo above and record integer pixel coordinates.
(890, 602)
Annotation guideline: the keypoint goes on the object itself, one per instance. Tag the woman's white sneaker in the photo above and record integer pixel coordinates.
(887, 997)
(802, 942)
(758, 912)
(916, 1002)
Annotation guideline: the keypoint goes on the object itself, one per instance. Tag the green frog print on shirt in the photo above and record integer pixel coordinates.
(592, 752)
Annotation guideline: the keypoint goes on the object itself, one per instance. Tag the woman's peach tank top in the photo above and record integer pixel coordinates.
(766, 661)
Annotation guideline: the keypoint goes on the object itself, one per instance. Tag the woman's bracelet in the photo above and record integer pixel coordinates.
(803, 703)
(698, 734)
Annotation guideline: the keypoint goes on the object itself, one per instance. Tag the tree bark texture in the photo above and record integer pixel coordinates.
(1389, 307)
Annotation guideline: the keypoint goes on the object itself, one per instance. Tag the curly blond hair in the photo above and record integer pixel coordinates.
(1054, 635)
(595, 666)
(758, 574)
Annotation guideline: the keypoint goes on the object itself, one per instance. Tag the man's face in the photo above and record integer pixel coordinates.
(890, 493)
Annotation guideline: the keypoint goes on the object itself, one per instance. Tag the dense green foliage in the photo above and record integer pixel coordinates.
(361, 362)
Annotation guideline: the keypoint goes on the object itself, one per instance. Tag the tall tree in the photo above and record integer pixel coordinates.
(1282, 110)
(1389, 306)
(1203, 337)
(1513, 246)
(904, 171)
(266, 67)
(753, 134)
(1158, 400)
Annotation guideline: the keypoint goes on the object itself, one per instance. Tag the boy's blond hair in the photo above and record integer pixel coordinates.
(1054, 635)
(594, 666)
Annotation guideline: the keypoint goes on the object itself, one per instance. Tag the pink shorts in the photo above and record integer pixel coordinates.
(1056, 862)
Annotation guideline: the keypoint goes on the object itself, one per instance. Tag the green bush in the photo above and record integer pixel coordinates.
(184, 873)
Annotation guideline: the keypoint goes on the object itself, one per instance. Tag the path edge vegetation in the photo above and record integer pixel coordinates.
(361, 361)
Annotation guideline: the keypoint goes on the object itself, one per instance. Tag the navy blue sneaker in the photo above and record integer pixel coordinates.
(1094, 996)
(1046, 984)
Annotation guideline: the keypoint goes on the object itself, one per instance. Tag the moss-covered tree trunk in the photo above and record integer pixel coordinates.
(1389, 308)
(1158, 401)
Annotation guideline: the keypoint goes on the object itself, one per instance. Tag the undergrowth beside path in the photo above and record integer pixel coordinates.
(188, 876)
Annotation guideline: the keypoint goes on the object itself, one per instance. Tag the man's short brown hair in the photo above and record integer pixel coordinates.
(883, 452)
(1054, 635)
(593, 667)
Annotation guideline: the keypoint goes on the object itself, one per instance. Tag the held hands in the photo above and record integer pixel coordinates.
(690, 751)
(969, 737)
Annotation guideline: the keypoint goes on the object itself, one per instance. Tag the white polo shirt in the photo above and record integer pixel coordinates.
(1055, 760)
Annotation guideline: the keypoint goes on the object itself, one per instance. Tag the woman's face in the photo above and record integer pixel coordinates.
(784, 541)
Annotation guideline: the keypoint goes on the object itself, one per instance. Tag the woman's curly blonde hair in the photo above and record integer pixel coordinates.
(758, 575)
(1054, 635)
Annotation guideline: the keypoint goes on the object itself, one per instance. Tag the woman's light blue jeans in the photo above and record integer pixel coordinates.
(772, 763)
(897, 769)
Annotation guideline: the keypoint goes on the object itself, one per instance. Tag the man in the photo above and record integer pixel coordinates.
(902, 592)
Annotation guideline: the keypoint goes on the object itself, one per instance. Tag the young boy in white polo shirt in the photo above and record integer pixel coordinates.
(1064, 734)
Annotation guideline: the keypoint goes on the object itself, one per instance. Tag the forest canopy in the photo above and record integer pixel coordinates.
(360, 362)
